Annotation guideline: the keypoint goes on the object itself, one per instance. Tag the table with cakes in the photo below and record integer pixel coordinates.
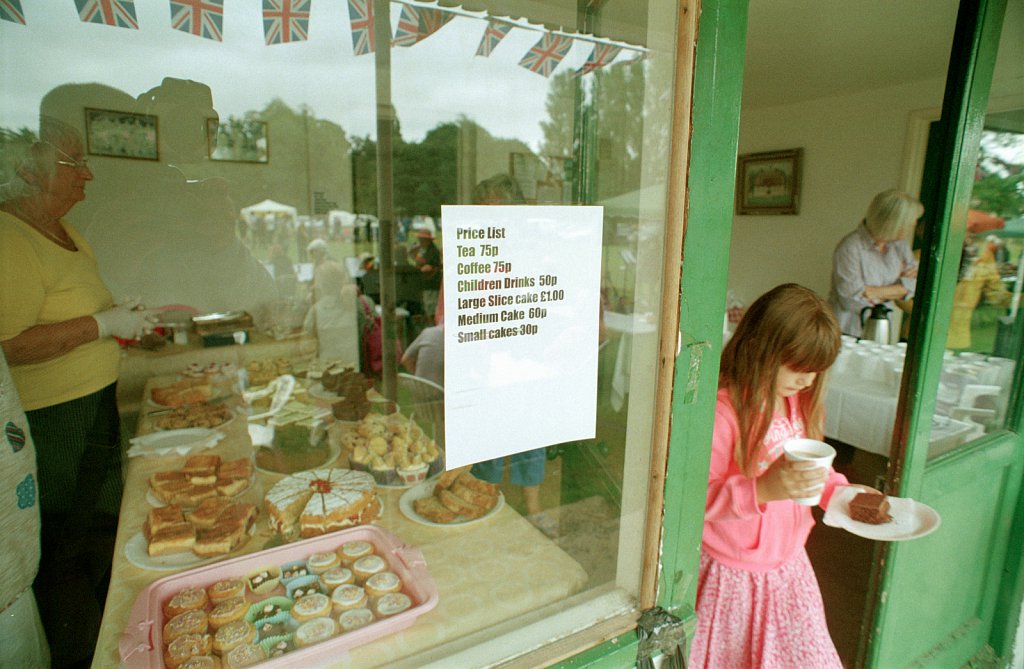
(282, 513)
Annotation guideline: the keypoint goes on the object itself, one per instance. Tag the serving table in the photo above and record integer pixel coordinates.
(487, 572)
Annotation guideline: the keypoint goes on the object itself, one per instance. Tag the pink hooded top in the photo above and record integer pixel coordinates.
(739, 532)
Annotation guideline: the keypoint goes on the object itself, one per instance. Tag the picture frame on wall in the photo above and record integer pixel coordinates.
(121, 134)
(769, 182)
(238, 140)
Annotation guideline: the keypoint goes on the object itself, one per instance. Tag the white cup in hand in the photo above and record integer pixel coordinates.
(809, 450)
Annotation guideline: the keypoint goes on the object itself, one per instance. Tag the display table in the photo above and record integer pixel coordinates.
(488, 572)
(138, 365)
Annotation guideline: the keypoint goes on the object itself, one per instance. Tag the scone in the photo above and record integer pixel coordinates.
(347, 597)
(245, 655)
(226, 589)
(391, 604)
(353, 550)
(315, 605)
(365, 567)
(382, 583)
(353, 619)
(315, 631)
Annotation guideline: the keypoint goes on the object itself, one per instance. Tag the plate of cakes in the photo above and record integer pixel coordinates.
(872, 515)
(455, 498)
(201, 477)
(173, 538)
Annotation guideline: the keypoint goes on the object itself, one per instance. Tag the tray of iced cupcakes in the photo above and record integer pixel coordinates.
(294, 605)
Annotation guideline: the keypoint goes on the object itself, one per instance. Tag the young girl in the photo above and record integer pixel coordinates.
(758, 602)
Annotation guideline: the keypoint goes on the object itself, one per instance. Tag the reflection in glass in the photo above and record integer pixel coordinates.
(264, 197)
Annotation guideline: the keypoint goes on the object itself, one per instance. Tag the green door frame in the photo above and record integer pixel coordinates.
(717, 87)
(972, 60)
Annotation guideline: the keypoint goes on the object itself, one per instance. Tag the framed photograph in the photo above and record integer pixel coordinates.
(769, 182)
(121, 134)
(238, 140)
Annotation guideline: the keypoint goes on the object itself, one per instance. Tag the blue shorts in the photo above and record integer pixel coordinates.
(526, 468)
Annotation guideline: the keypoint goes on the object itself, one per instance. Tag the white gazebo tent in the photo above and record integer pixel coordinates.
(277, 212)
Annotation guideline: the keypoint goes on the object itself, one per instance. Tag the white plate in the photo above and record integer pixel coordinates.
(426, 489)
(136, 552)
(910, 519)
(318, 391)
(156, 419)
(180, 442)
(334, 450)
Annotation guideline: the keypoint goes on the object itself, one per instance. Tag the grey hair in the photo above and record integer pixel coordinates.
(891, 215)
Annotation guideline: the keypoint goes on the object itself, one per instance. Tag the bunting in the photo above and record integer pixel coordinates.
(202, 18)
(117, 13)
(546, 54)
(10, 10)
(602, 55)
(360, 13)
(286, 20)
(493, 34)
(417, 24)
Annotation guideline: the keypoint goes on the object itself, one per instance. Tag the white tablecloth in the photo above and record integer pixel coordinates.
(862, 393)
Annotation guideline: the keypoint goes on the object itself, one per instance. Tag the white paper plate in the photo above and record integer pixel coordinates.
(318, 391)
(136, 552)
(910, 519)
(333, 452)
(180, 442)
(156, 426)
(426, 489)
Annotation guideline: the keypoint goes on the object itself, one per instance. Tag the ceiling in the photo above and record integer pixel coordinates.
(807, 49)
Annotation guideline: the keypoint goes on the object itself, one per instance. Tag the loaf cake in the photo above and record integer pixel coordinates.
(316, 502)
(871, 508)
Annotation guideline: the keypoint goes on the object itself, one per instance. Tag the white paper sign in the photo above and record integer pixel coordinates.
(521, 313)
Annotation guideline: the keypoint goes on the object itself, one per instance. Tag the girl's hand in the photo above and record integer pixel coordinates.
(789, 480)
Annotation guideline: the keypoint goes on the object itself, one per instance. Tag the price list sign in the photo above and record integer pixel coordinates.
(521, 318)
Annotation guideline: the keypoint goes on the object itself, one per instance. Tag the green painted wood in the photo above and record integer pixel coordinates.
(933, 607)
(613, 654)
(718, 84)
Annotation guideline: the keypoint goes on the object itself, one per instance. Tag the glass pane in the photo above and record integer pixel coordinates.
(984, 335)
(232, 171)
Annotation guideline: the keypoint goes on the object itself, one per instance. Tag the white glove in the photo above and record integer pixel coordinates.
(127, 320)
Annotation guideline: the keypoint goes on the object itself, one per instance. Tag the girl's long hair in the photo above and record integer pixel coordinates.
(789, 325)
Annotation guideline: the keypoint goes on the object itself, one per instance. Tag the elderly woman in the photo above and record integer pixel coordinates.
(874, 264)
(57, 323)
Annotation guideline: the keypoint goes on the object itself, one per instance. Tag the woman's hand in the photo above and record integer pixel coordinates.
(789, 480)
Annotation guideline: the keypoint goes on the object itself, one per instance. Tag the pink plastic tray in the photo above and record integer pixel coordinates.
(141, 644)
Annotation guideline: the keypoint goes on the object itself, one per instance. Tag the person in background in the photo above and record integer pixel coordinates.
(425, 355)
(758, 602)
(57, 327)
(874, 264)
(333, 315)
(978, 284)
(22, 640)
(426, 257)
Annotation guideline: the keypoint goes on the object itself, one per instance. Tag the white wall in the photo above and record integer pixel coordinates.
(853, 148)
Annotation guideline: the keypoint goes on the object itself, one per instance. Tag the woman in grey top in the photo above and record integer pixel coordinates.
(874, 264)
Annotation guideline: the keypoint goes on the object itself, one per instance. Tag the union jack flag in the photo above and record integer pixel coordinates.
(415, 25)
(286, 20)
(602, 55)
(10, 10)
(546, 54)
(203, 18)
(360, 13)
(493, 34)
(118, 13)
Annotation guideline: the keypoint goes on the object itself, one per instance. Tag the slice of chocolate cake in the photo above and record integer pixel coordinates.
(871, 508)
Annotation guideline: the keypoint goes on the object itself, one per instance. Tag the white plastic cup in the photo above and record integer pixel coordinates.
(809, 450)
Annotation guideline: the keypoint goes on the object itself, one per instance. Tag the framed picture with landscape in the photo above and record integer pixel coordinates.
(121, 134)
(238, 140)
(769, 182)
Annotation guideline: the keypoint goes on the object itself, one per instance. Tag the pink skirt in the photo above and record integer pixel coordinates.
(761, 619)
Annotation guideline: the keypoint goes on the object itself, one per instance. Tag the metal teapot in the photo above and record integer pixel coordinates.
(875, 324)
